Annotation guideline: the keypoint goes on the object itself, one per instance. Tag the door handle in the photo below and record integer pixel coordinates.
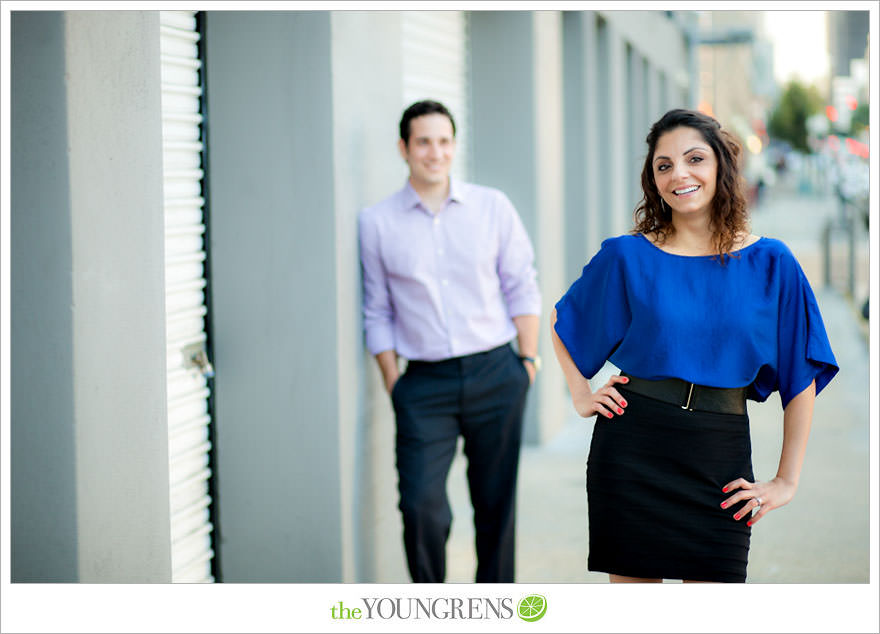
(195, 356)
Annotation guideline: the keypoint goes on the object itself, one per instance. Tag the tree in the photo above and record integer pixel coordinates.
(859, 120)
(789, 119)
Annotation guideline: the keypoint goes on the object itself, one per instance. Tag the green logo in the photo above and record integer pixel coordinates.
(532, 607)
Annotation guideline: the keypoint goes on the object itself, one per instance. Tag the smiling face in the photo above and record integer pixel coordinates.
(429, 151)
(685, 170)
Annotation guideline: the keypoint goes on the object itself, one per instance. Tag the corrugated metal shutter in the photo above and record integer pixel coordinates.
(435, 63)
(185, 309)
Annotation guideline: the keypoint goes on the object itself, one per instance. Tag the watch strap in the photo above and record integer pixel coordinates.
(535, 361)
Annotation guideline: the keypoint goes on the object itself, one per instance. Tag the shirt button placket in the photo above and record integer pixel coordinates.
(442, 276)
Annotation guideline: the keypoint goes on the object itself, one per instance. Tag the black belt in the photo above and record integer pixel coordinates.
(689, 396)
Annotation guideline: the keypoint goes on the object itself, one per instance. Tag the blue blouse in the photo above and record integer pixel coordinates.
(753, 322)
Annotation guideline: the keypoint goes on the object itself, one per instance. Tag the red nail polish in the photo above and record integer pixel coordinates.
(724, 490)
(737, 516)
(749, 523)
(724, 505)
(619, 411)
(623, 403)
(608, 414)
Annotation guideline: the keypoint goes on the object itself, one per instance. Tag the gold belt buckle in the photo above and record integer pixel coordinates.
(687, 405)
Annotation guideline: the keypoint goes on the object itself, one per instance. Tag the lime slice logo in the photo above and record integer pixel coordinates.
(532, 607)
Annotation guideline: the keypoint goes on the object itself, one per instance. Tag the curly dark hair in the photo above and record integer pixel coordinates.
(729, 210)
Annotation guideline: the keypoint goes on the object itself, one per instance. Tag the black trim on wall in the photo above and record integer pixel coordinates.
(216, 537)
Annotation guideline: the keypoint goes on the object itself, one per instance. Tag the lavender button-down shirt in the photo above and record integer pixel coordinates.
(444, 285)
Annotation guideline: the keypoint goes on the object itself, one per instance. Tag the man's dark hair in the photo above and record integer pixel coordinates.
(421, 108)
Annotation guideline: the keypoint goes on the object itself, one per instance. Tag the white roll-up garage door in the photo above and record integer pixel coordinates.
(435, 64)
(185, 308)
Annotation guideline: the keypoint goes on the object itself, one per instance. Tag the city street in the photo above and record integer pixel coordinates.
(822, 536)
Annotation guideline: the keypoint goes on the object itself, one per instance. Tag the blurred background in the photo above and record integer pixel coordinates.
(191, 397)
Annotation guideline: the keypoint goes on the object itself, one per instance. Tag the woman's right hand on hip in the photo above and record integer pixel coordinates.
(606, 401)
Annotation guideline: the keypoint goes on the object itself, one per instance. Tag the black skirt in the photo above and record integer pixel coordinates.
(654, 478)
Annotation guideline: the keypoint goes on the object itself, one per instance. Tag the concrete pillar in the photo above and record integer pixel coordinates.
(615, 133)
(644, 34)
(89, 433)
(303, 130)
(274, 309)
(43, 453)
(367, 95)
(655, 108)
(667, 102)
(582, 149)
(516, 75)
(635, 126)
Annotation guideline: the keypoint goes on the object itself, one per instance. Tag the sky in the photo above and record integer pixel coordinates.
(799, 44)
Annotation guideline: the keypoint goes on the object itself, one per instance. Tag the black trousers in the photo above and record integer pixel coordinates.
(480, 397)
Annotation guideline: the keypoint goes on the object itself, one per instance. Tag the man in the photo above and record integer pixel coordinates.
(449, 281)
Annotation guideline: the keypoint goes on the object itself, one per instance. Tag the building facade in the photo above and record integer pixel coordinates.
(847, 39)
(736, 69)
(191, 396)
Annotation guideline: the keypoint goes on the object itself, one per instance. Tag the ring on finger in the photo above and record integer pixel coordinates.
(758, 500)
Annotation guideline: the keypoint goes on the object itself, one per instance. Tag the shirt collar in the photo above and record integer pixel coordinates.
(456, 191)
(411, 197)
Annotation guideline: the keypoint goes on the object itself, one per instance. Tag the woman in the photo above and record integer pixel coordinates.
(699, 315)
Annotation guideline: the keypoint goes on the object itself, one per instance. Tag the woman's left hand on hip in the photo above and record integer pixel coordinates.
(758, 496)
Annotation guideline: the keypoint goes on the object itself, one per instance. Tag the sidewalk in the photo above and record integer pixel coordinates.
(822, 536)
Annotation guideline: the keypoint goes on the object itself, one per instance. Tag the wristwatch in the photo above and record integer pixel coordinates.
(535, 361)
